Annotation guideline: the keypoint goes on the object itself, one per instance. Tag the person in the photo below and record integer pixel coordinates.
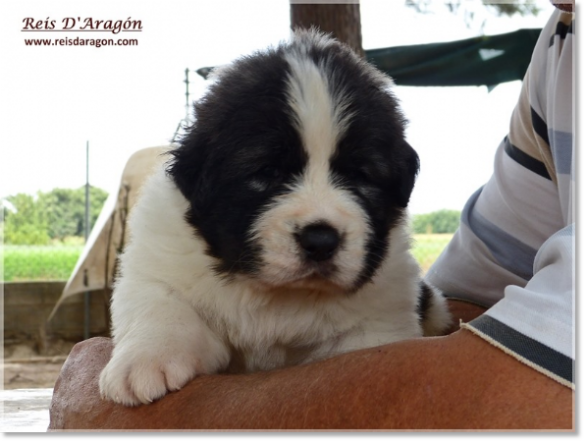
(516, 234)
(508, 275)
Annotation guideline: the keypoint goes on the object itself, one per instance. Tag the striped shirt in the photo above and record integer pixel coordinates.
(514, 250)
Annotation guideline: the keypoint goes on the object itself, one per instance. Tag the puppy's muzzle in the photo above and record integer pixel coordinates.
(319, 241)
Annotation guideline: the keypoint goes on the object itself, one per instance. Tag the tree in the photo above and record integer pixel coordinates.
(340, 20)
(59, 209)
(444, 221)
(509, 8)
(24, 224)
(50, 215)
(65, 210)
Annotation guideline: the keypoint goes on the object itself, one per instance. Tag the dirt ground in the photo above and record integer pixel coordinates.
(25, 368)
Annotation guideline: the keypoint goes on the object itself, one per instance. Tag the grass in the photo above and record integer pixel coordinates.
(26, 263)
(56, 262)
(428, 247)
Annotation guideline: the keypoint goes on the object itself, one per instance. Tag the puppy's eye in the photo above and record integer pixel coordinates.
(266, 178)
(270, 173)
(358, 175)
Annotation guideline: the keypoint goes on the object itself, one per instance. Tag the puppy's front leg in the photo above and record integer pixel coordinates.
(160, 344)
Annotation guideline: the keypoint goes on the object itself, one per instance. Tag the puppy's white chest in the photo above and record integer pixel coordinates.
(268, 332)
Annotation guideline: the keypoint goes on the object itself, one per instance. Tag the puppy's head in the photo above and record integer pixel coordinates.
(296, 168)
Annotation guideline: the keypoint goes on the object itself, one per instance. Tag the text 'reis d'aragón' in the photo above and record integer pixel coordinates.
(79, 24)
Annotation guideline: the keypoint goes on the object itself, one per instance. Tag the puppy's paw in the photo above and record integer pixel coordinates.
(143, 373)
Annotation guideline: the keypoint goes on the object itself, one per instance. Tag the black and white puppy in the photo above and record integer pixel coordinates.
(277, 234)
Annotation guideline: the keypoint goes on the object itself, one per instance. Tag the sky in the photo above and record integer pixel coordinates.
(125, 98)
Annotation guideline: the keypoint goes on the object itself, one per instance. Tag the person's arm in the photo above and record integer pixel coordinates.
(453, 382)
(462, 311)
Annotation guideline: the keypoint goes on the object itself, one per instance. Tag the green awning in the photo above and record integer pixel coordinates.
(485, 60)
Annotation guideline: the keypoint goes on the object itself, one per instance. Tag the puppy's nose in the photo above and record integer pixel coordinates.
(319, 241)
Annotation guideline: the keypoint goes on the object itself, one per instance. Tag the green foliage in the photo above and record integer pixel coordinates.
(443, 221)
(65, 210)
(513, 7)
(27, 225)
(509, 7)
(26, 263)
(54, 215)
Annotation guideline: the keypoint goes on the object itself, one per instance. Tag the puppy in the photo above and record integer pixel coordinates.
(277, 233)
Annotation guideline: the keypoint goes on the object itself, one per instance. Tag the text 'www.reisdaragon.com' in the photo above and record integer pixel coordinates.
(78, 41)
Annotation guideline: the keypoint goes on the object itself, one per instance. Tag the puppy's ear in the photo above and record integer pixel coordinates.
(409, 165)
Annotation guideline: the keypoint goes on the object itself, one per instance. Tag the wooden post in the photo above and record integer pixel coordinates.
(342, 20)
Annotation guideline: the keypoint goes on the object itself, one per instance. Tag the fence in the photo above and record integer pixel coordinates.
(55, 263)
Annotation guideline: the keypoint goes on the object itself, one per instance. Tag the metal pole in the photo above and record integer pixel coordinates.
(186, 95)
(86, 298)
(185, 120)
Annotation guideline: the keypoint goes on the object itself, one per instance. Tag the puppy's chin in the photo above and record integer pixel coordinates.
(320, 285)
(312, 283)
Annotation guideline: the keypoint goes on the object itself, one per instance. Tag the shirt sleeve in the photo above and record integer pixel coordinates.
(535, 324)
(513, 252)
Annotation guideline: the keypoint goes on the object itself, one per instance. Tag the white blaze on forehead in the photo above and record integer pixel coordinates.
(320, 118)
